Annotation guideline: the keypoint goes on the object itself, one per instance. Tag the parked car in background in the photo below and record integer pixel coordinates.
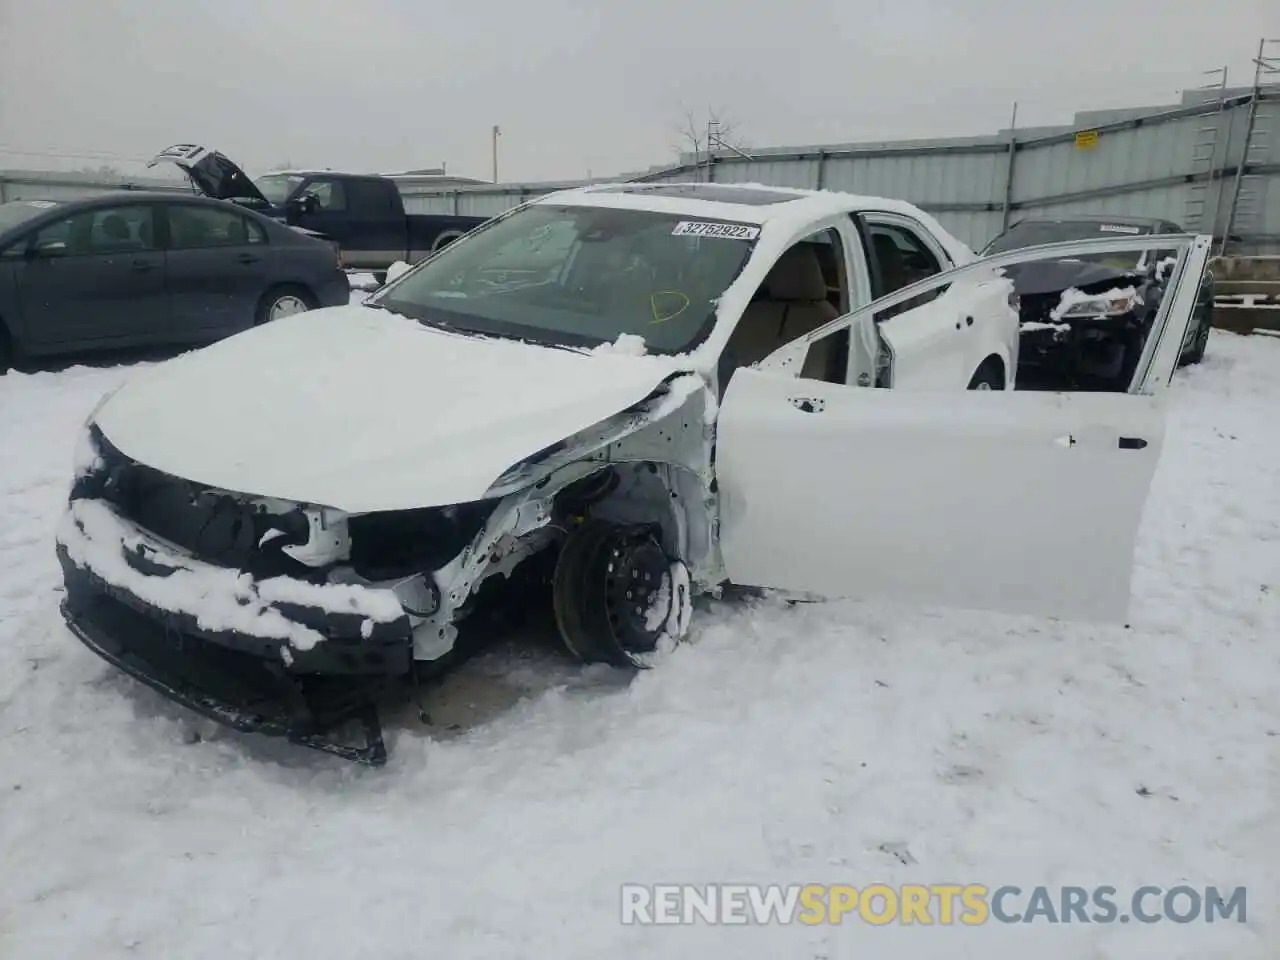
(141, 269)
(364, 214)
(1085, 320)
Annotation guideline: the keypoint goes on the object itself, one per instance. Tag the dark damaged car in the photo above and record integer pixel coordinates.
(1085, 320)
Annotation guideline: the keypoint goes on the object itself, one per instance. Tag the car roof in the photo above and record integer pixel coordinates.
(1098, 218)
(123, 195)
(744, 202)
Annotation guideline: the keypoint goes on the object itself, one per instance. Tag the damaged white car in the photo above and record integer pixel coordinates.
(661, 389)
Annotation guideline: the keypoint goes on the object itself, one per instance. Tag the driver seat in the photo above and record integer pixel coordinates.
(794, 302)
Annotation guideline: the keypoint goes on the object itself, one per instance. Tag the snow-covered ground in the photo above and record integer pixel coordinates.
(783, 744)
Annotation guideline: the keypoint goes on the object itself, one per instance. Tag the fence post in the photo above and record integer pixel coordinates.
(822, 170)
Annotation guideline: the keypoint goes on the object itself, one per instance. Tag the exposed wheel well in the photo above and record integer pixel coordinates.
(445, 239)
(993, 365)
(634, 492)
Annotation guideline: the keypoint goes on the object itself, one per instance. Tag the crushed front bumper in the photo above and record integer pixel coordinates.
(279, 657)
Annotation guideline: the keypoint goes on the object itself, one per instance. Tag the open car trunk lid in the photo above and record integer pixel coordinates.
(214, 174)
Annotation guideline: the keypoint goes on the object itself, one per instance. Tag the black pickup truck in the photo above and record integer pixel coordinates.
(363, 214)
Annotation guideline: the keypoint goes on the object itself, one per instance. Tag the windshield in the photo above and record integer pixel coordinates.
(1030, 233)
(277, 187)
(580, 276)
(20, 211)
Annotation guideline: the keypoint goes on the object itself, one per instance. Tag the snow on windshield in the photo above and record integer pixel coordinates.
(582, 276)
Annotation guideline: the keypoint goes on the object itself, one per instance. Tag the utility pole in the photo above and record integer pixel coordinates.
(496, 133)
(1263, 65)
(1008, 173)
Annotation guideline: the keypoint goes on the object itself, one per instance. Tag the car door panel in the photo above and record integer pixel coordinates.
(219, 265)
(1024, 502)
(82, 284)
(331, 214)
(984, 500)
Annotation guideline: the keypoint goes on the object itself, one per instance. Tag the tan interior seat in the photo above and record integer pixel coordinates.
(794, 302)
(893, 269)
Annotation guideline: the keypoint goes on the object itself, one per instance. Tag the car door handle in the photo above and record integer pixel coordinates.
(247, 258)
(142, 266)
(1132, 443)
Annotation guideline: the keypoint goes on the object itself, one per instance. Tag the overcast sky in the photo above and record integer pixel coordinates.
(575, 86)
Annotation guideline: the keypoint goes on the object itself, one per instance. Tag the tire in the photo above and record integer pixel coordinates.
(443, 241)
(6, 350)
(281, 302)
(988, 376)
(1200, 343)
(604, 573)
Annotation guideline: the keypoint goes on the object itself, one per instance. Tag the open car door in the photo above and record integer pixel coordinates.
(1025, 502)
(212, 173)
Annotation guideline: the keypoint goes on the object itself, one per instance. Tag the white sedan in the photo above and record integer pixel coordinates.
(655, 390)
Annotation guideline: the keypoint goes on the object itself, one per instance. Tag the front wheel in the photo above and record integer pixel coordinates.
(617, 595)
(283, 302)
(1196, 352)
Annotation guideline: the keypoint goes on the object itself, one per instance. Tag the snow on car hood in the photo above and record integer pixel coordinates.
(364, 410)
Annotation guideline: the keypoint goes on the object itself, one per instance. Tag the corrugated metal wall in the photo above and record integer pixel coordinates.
(1140, 164)
(1143, 165)
(41, 185)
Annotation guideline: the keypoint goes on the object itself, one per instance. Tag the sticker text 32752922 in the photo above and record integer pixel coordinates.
(705, 228)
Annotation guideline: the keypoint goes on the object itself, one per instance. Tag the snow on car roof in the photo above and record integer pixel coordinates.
(748, 203)
(745, 202)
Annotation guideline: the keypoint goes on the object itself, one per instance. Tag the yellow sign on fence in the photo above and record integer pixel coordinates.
(1086, 139)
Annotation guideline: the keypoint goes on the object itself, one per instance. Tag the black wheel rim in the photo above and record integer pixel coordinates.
(637, 593)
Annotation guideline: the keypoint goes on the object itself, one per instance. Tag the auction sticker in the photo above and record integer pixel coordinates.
(726, 231)
(1117, 228)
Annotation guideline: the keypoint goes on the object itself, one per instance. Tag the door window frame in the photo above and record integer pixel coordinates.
(19, 248)
(249, 226)
(790, 358)
(337, 189)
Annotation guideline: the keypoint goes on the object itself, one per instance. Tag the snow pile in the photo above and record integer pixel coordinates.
(397, 270)
(1031, 326)
(627, 344)
(842, 743)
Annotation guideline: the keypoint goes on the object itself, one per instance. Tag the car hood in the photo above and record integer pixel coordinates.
(364, 410)
(214, 174)
(1055, 276)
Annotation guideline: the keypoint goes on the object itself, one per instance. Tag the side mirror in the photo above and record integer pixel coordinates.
(304, 203)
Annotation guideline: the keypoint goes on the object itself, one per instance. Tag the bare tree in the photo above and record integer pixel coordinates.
(703, 133)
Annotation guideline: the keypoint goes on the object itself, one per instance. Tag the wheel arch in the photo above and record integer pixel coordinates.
(445, 238)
